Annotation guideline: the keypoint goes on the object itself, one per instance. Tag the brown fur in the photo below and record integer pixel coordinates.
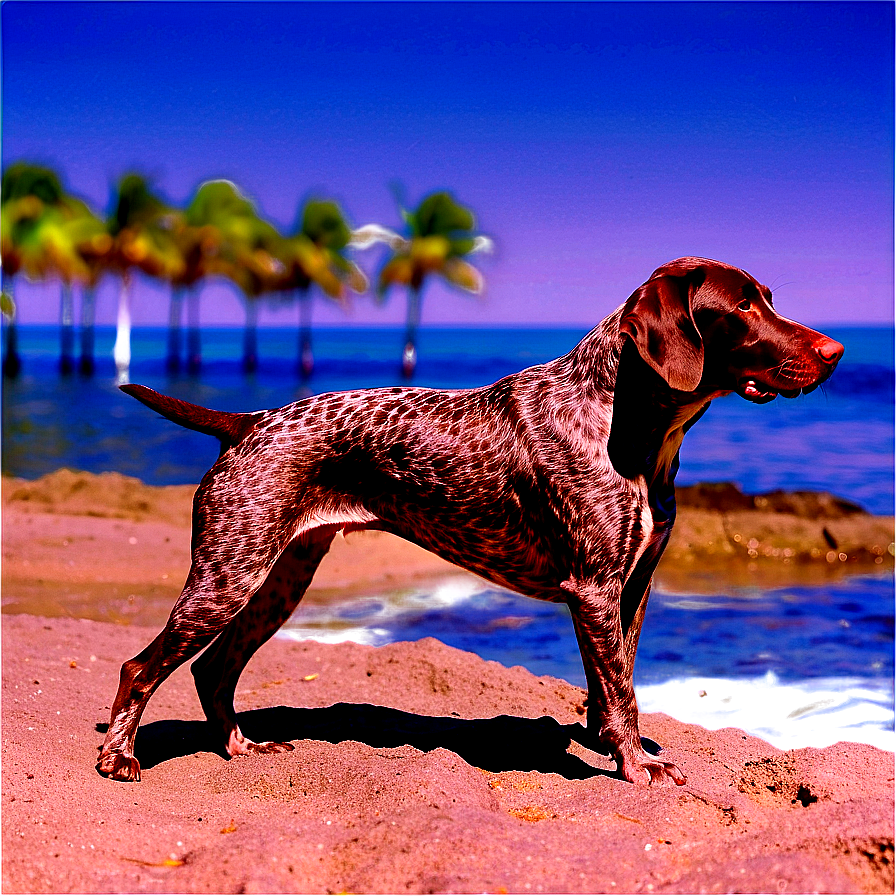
(556, 482)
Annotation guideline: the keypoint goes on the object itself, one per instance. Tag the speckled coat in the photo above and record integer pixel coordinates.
(556, 482)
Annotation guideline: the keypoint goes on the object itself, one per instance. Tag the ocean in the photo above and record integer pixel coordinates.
(798, 666)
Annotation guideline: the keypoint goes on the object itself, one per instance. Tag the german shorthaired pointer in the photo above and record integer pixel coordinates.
(556, 482)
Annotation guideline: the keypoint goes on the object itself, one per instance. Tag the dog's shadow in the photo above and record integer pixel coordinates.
(503, 743)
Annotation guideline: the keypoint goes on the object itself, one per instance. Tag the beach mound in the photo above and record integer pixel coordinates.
(726, 497)
(104, 495)
(718, 523)
(417, 768)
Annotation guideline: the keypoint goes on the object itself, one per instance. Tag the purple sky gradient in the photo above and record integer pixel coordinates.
(595, 141)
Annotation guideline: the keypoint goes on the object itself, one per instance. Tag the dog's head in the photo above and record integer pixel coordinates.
(703, 325)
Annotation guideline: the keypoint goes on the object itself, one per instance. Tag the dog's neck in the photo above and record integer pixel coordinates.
(624, 405)
(645, 443)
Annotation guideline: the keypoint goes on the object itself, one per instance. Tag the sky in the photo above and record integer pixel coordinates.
(594, 141)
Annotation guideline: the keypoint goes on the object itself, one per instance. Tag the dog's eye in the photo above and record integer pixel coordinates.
(745, 305)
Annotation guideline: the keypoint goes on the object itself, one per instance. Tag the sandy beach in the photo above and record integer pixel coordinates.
(417, 767)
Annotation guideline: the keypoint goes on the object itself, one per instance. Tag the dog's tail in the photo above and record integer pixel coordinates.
(229, 428)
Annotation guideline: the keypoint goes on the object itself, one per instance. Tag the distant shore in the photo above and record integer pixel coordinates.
(110, 548)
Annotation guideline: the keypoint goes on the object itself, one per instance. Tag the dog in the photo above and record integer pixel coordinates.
(556, 482)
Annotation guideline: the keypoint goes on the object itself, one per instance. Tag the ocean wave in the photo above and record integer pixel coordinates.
(809, 713)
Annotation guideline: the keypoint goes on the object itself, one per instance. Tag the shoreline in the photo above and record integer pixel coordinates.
(110, 548)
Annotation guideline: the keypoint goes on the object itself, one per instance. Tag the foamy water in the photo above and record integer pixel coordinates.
(809, 713)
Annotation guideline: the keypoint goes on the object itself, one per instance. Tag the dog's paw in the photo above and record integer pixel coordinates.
(119, 767)
(240, 745)
(268, 746)
(647, 769)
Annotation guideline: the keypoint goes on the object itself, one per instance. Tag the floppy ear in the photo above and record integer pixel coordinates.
(659, 320)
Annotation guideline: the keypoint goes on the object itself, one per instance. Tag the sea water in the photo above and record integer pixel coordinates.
(798, 666)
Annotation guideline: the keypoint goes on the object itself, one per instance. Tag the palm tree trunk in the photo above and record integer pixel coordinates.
(12, 361)
(250, 337)
(306, 355)
(66, 330)
(121, 351)
(88, 315)
(172, 359)
(194, 335)
(409, 354)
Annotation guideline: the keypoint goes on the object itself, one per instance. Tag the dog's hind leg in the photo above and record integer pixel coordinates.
(181, 639)
(218, 587)
(632, 627)
(218, 669)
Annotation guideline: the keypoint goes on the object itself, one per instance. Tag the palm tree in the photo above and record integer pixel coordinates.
(27, 193)
(315, 254)
(90, 239)
(142, 229)
(86, 244)
(95, 251)
(202, 232)
(256, 269)
(439, 237)
(198, 236)
(86, 363)
(233, 241)
(44, 232)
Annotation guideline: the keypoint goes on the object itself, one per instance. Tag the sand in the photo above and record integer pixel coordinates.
(417, 767)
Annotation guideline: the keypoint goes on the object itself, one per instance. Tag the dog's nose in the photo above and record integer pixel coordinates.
(829, 350)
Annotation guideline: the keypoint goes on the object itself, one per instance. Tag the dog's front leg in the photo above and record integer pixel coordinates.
(612, 709)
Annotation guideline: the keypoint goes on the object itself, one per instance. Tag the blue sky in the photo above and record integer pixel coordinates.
(595, 141)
